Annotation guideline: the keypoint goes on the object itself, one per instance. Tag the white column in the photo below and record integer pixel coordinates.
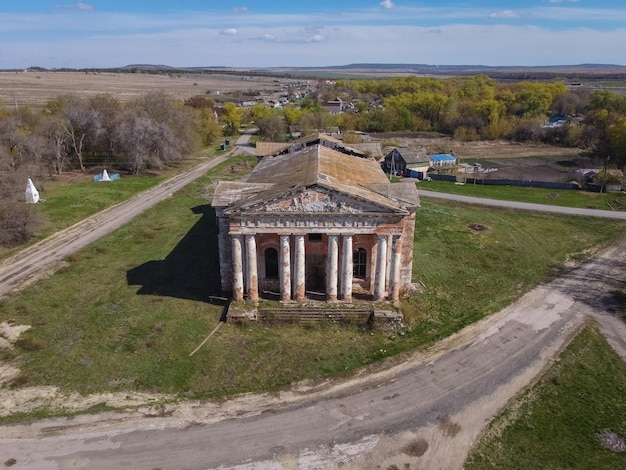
(332, 266)
(381, 268)
(252, 276)
(237, 268)
(285, 269)
(373, 264)
(300, 269)
(346, 269)
(396, 261)
(389, 258)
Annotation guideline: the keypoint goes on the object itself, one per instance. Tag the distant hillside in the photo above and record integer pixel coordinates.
(574, 72)
(588, 71)
(570, 72)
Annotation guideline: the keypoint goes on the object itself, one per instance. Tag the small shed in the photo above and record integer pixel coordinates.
(442, 160)
(295, 131)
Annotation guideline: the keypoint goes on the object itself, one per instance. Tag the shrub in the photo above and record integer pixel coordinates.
(18, 222)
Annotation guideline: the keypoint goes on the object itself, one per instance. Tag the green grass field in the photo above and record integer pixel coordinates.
(72, 197)
(557, 423)
(125, 313)
(68, 203)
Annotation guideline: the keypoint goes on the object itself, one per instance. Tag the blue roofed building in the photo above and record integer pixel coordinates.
(442, 160)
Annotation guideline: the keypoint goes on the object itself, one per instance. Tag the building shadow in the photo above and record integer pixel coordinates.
(190, 271)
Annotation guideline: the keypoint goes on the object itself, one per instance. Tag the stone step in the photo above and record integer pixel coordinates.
(313, 315)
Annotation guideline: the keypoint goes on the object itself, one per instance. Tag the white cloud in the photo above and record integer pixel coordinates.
(317, 38)
(505, 14)
(387, 4)
(229, 32)
(563, 1)
(80, 6)
(240, 9)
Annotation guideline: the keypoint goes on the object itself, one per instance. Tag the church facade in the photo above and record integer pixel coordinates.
(315, 223)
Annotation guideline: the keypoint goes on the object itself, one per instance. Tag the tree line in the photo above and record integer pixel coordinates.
(75, 133)
(468, 108)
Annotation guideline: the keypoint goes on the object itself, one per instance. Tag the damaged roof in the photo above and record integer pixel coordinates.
(264, 149)
(284, 175)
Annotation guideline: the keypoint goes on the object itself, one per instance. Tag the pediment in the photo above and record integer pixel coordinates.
(317, 200)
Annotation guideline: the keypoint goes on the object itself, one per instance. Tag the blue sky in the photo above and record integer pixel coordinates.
(255, 33)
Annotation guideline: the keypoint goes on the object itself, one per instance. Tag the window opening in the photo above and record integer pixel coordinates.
(359, 263)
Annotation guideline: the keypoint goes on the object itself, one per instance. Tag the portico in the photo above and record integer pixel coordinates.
(338, 273)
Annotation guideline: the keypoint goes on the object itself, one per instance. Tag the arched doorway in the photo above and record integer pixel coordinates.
(271, 263)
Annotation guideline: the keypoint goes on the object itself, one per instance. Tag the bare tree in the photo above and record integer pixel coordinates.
(18, 222)
(273, 127)
(82, 125)
(145, 142)
(53, 131)
(108, 110)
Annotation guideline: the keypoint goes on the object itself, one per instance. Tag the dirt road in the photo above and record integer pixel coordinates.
(425, 411)
(42, 258)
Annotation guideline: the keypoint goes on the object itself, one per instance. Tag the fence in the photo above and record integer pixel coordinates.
(506, 182)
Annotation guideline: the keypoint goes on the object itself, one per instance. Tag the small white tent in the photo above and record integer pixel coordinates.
(32, 195)
(105, 176)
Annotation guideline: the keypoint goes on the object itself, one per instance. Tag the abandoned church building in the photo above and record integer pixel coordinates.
(315, 223)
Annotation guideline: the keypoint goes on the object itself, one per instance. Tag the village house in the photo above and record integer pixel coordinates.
(315, 222)
(401, 160)
(335, 106)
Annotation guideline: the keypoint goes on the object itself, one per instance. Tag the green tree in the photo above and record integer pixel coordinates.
(535, 99)
(210, 128)
(616, 136)
(231, 117)
(609, 101)
(260, 112)
(292, 114)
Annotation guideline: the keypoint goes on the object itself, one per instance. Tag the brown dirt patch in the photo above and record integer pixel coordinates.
(536, 162)
(416, 448)
(477, 150)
